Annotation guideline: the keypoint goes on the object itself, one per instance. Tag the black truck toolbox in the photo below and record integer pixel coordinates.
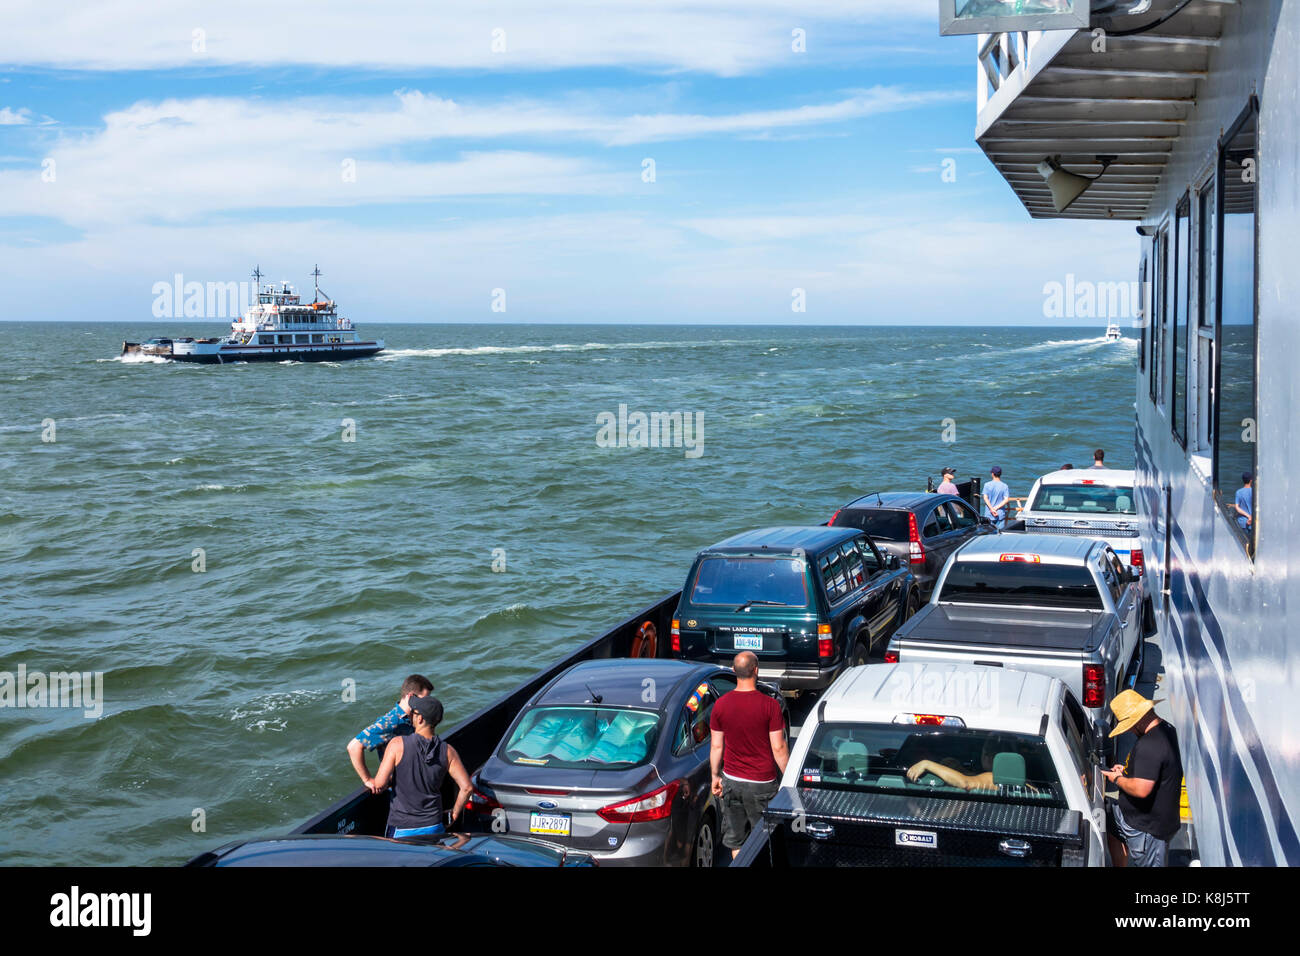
(825, 827)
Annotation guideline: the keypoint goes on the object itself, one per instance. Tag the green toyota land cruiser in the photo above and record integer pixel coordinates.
(808, 601)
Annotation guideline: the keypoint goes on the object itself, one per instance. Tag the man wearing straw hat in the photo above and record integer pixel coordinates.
(1144, 818)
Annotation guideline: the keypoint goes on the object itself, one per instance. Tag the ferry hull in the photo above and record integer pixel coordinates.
(279, 355)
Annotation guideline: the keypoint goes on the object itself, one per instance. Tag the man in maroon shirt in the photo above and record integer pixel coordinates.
(747, 754)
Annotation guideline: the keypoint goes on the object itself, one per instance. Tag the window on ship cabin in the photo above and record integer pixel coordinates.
(1206, 204)
(1144, 309)
(1158, 300)
(1178, 326)
(1235, 449)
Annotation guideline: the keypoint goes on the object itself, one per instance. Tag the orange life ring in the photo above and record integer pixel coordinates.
(646, 642)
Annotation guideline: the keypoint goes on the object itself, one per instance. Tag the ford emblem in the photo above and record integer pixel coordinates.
(546, 805)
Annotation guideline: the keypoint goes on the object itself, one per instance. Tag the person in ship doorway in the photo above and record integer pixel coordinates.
(1245, 501)
(417, 764)
(396, 722)
(1144, 818)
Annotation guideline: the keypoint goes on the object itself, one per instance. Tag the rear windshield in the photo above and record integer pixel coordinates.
(928, 761)
(880, 525)
(1083, 499)
(1021, 582)
(736, 581)
(591, 738)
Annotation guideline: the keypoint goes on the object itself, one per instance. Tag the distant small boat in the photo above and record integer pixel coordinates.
(278, 328)
(1113, 332)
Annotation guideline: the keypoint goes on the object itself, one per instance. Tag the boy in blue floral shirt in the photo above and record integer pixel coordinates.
(394, 723)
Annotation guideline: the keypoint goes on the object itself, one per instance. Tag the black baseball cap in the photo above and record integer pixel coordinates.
(430, 708)
(949, 470)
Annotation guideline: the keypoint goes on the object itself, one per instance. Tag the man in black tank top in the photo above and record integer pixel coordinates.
(417, 764)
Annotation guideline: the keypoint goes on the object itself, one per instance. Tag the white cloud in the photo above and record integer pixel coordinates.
(179, 160)
(717, 36)
(18, 117)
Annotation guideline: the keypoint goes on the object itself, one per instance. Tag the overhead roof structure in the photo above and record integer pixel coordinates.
(1079, 94)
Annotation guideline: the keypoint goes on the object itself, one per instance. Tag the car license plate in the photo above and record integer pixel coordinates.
(551, 824)
(749, 642)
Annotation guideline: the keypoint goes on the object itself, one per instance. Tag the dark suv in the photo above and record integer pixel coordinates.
(922, 528)
(808, 601)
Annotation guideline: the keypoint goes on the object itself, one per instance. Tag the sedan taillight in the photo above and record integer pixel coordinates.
(655, 805)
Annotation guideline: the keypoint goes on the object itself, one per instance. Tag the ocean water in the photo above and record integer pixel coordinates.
(329, 563)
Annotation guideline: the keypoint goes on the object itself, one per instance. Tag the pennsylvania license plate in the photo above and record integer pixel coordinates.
(551, 824)
(749, 642)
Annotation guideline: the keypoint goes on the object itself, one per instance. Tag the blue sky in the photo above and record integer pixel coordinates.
(427, 154)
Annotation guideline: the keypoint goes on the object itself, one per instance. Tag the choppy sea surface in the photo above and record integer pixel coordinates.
(209, 540)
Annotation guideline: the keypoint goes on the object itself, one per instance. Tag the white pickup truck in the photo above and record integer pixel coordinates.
(1089, 503)
(938, 765)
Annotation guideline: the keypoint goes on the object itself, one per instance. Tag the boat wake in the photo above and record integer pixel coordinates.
(137, 358)
(390, 355)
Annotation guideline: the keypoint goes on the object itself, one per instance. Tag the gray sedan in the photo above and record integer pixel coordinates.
(612, 758)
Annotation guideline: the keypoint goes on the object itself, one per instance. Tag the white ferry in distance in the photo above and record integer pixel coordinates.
(1113, 332)
(277, 328)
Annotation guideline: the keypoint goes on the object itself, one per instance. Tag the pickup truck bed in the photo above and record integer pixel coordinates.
(1038, 628)
(821, 827)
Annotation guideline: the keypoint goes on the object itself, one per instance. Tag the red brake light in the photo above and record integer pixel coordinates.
(1136, 560)
(677, 637)
(914, 539)
(825, 644)
(1088, 481)
(891, 657)
(928, 720)
(655, 805)
(833, 517)
(547, 793)
(1094, 685)
(480, 802)
(1029, 558)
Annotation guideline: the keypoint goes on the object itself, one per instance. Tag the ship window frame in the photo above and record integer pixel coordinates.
(1144, 307)
(1158, 299)
(1248, 539)
(1205, 229)
(1181, 279)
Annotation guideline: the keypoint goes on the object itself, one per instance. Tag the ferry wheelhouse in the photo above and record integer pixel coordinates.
(1181, 117)
(279, 327)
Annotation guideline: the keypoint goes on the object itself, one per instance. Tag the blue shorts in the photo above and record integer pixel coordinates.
(397, 833)
(1143, 848)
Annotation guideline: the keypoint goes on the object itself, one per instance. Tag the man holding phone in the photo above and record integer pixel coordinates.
(1144, 818)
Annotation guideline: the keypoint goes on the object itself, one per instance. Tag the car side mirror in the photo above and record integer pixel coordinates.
(893, 562)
